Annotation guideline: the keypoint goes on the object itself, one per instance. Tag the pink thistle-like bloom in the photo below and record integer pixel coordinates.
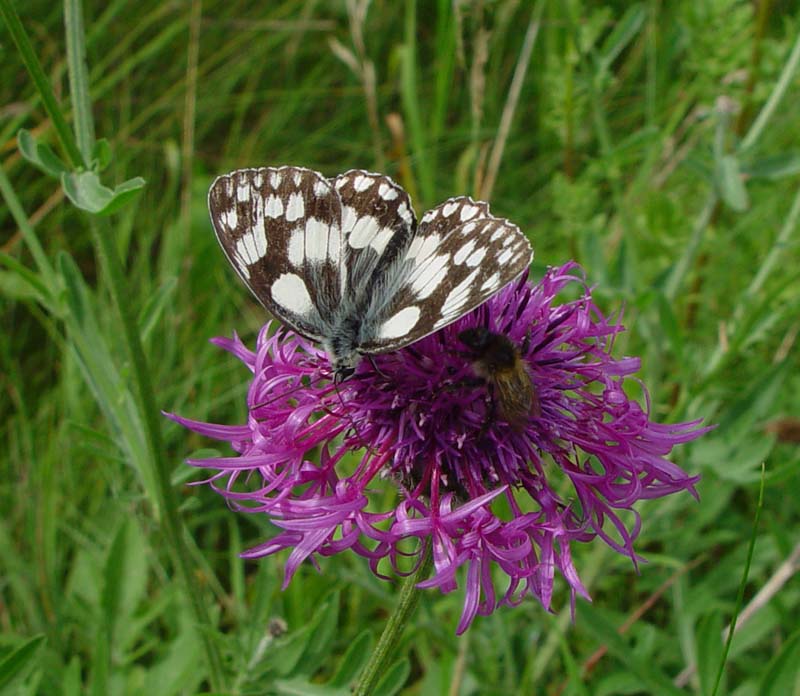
(480, 491)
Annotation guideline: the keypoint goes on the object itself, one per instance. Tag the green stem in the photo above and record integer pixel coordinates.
(79, 77)
(384, 652)
(41, 82)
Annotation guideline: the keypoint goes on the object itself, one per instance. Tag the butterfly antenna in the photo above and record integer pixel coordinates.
(289, 393)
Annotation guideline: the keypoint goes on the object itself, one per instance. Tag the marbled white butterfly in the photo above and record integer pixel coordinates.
(343, 262)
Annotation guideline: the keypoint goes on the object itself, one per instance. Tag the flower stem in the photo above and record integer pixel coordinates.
(384, 650)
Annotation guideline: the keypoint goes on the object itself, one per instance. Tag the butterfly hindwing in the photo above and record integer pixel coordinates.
(377, 225)
(281, 230)
(459, 257)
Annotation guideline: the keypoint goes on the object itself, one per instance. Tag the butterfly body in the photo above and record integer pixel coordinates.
(343, 262)
(498, 361)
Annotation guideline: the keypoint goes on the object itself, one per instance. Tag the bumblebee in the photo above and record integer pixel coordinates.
(498, 362)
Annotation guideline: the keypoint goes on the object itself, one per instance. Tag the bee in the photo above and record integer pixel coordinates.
(498, 362)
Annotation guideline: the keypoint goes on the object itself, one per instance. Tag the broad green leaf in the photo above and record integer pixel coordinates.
(354, 659)
(181, 669)
(730, 184)
(40, 154)
(87, 193)
(394, 678)
(284, 655)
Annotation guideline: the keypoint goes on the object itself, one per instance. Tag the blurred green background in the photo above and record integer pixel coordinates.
(654, 142)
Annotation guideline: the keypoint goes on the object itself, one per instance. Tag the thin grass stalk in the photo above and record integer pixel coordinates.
(512, 100)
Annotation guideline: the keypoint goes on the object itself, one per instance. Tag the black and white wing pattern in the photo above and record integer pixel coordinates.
(377, 225)
(343, 262)
(458, 258)
(281, 230)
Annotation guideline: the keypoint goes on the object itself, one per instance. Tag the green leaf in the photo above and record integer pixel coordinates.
(155, 306)
(40, 155)
(87, 193)
(354, 659)
(18, 662)
(730, 184)
(394, 678)
(21, 282)
(605, 633)
(326, 621)
(773, 167)
(101, 155)
(302, 687)
(123, 579)
(709, 651)
(735, 449)
(284, 655)
(782, 676)
(74, 286)
(181, 668)
(624, 31)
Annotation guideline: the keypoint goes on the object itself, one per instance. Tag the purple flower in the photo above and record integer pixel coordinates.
(481, 491)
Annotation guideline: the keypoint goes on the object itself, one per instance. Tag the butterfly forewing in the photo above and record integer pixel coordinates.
(459, 257)
(343, 262)
(377, 225)
(281, 230)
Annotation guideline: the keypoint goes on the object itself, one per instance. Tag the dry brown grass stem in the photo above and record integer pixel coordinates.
(512, 100)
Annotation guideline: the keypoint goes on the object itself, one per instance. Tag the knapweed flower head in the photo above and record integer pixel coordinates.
(505, 503)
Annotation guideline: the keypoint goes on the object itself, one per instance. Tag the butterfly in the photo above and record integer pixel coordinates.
(343, 262)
